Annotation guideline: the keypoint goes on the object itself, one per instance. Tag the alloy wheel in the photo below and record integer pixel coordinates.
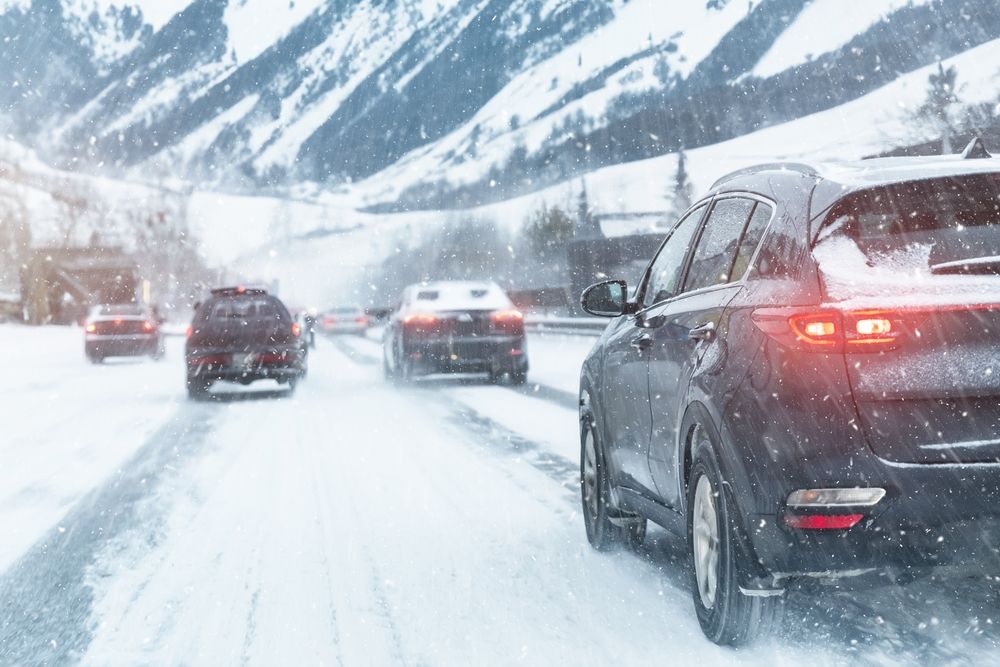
(705, 524)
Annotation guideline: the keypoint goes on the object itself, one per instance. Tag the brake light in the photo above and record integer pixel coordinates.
(508, 321)
(823, 521)
(91, 328)
(189, 332)
(148, 327)
(835, 330)
(508, 316)
(362, 320)
(817, 329)
(296, 329)
(420, 320)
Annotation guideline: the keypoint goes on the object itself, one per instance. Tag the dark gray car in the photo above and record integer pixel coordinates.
(805, 386)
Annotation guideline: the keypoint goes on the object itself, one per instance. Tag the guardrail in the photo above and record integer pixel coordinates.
(576, 326)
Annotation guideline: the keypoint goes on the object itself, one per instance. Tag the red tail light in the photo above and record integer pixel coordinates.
(508, 316)
(189, 332)
(296, 329)
(362, 320)
(508, 321)
(91, 328)
(148, 327)
(421, 321)
(835, 330)
(823, 521)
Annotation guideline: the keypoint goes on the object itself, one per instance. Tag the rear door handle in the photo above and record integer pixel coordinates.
(704, 331)
(642, 343)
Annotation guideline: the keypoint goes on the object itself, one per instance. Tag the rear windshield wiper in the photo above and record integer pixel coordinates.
(976, 266)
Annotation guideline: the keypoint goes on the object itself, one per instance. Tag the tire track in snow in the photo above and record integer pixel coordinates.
(543, 392)
(838, 618)
(45, 602)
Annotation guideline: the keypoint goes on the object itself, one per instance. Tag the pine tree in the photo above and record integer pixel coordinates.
(940, 98)
(586, 223)
(548, 230)
(681, 191)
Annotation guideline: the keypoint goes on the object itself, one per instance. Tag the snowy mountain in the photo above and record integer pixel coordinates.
(437, 103)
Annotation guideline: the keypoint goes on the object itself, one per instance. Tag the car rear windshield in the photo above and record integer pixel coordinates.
(929, 221)
(244, 308)
(462, 296)
(126, 309)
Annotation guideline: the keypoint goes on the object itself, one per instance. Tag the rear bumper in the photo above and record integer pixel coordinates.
(122, 346)
(337, 329)
(493, 354)
(933, 516)
(211, 365)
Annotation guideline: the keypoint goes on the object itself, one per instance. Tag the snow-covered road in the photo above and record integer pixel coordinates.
(357, 523)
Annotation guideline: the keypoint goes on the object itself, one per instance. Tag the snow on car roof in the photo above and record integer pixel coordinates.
(457, 295)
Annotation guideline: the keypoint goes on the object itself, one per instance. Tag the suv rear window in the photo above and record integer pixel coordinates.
(244, 308)
(892, 240)
(935, 220)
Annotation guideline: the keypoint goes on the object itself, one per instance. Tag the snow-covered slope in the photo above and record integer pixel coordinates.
(441, 102)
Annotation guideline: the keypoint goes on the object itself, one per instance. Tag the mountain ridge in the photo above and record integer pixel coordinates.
(436, 102)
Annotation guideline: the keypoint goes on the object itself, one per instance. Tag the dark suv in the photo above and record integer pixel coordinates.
(242, 335)
(806, 383)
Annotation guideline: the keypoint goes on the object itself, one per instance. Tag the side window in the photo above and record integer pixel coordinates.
(716, 250)
(751, 239)
(665, 272)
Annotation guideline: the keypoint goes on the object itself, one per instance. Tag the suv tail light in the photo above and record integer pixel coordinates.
(148, 327)
(91, 328)
(296, 329)
(832, 330)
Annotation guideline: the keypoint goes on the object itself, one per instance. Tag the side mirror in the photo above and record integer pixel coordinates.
(607, 299)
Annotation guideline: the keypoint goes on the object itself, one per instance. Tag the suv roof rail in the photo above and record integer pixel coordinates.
(976, 150)
(235, 291)
(804, 169)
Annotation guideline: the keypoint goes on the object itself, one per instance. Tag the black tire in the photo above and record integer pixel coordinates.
(519, 378)
(407, 372)
(634, 533)
(388, 372)
(197, 388)
(293, 384)
(726, 615)
(95, 358)
(595, 492)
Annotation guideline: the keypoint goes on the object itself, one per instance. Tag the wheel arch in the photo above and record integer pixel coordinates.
(736, 475)
(734, 471)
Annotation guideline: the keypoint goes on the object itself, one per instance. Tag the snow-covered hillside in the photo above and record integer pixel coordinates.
(429, 99)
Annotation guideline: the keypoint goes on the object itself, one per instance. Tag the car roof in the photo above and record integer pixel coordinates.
(860, 174)
(821, 184)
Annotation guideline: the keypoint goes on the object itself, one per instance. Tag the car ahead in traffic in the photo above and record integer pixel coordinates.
(456, 327)
(122, 330)
(242, 335)
(806, 384)
(344, 320)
